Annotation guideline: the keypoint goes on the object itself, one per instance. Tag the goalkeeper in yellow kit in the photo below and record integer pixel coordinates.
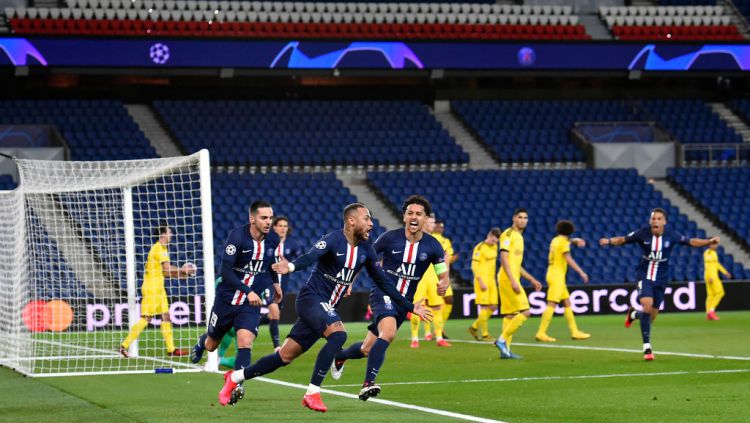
(154, 297)
(714, 287)
(557, 292)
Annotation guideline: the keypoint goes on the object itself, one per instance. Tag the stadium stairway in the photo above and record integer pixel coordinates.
(703, 222)
(89, 271)
(733, 121)
(154, 130)
(479, 157)
(356, 182)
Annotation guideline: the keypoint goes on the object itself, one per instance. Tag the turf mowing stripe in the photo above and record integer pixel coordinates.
(627, 350)
(524, 379)
(390, 403)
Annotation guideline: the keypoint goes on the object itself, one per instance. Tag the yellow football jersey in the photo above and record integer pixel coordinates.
(483, 260)
(711, 264)
(512, 242)
(558, 266)
(446, 244)
(154, 277)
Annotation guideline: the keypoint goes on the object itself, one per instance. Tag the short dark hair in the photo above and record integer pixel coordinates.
(660, 210)
(278, 219)
(565, 227)
(496, 232)
(162, 228)
(439, 222)
(419, 200)
(518, 211)
(258, 204)
(348, 210)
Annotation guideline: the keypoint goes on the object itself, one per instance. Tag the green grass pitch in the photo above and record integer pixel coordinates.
(701, 374)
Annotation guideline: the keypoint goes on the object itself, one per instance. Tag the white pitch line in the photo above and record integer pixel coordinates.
(390, 403)
(627, 350)
(526, 379)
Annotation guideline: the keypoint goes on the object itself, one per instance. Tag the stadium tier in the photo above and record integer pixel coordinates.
(93, 129)
(510, 128)
(721, 191)
(350, 20)
(294, 195)
(614, 202)
(677, 20)
(312, 133)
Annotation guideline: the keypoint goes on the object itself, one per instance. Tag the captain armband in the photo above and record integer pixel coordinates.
(440, 268)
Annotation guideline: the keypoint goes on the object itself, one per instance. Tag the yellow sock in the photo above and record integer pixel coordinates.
(166, 332)
(134, 332)
(506, 322)
(515, 323)
(709, 302)
(715, 299)
(546, 319)
(447, 308)
(571, 320)
(437, 321)
(428, 325)
(415, 326)
(484, 318)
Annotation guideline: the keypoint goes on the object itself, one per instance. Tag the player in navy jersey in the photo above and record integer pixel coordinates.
(338, 257)
(657, 242)
(245, 272)
(407, 254)
(289, 249)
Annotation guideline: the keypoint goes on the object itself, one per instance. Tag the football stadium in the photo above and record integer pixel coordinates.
(445, 210)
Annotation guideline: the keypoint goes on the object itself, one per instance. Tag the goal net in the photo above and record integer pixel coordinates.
(75, 238)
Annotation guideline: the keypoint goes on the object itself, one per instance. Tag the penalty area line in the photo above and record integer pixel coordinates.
(435, 411)
(625, 350)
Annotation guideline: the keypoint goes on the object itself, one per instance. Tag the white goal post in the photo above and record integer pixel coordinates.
(75, 237)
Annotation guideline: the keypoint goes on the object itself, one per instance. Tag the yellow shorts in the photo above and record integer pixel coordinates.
(427, 289)
(154, 301)
(714, 286)
(557, 290)
(510, 302)
(487, 297)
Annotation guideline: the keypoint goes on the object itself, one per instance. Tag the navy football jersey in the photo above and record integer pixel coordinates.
(336, 265)
(654, 264)
(404, 262)
(246, 265)
(290, 250)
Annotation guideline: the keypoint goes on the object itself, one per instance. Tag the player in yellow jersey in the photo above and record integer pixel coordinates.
(484, 265)
(428, 289)
(714, 287)
(450, 257)
(514, 304)
(154, 296)
(557, 291)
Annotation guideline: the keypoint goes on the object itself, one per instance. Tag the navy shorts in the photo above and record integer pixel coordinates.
(314, 315)
(225, 317)
(647, 288)
(382, 307)
(267, 297)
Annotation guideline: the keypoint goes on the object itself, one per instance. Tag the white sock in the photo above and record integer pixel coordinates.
(501, 339)
(415, 340)
(439, 338)
(711, 311)
(238, 376)
(312, 389)
(646, 346)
